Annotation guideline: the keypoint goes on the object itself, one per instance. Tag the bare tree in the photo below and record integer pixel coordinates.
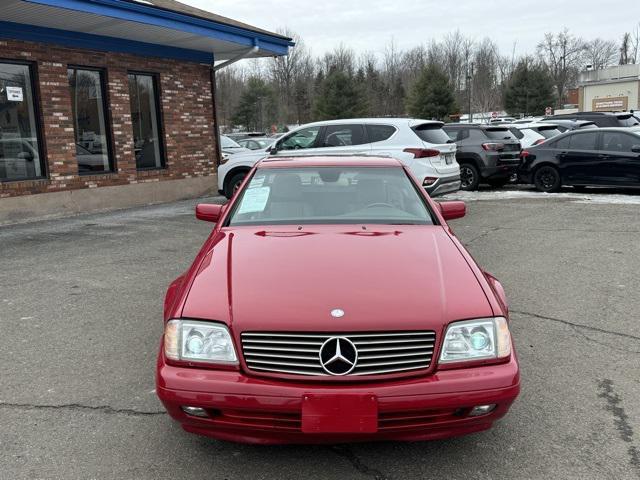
(285, 72)
(625, 46)
(600, 53)
(486, 94)
(562, 53)
(635, 45)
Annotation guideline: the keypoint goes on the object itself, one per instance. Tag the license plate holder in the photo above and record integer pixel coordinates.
(339, 413)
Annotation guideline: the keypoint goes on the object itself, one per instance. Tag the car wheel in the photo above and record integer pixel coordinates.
(469, 177)
(234, 184)
(498, 183)
(547, 179)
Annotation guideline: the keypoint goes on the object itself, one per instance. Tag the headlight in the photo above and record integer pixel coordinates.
(189, 340)
(476, 340)
(224, 158)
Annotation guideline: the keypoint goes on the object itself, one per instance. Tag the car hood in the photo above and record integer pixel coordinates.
(384, 278)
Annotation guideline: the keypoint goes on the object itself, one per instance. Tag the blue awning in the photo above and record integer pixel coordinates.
(138, 27)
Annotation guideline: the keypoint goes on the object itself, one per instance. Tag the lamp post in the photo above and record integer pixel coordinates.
(469, 79)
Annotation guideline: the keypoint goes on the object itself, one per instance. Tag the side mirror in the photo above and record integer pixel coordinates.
(209, 212)
(635, 149)
(452, 210)
(28, 156)
(273, 149)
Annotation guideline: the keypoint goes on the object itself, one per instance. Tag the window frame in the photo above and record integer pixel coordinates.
(155, 76)
(365, 134)
(596, 144)
(106, 101)
(316, 141)
(367, 126)
(619, 152)
(39, 120)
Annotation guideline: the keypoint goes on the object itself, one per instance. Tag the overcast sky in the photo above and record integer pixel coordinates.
(368, 25)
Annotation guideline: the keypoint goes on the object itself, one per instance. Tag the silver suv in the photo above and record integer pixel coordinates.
(422, 145)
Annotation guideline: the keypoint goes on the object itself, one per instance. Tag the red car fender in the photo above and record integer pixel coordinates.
(498, 289)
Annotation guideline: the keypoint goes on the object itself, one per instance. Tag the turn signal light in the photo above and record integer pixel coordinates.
(422, 152)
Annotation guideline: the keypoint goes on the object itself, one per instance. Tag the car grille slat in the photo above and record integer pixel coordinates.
(299, 353)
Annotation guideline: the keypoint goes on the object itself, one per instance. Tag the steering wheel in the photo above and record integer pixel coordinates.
(379, 204)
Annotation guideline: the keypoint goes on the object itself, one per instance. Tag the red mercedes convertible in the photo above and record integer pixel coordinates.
(332, 303)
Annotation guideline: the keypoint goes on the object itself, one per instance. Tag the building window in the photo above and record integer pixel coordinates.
(20, 157)
(145, 116)
(89, 120)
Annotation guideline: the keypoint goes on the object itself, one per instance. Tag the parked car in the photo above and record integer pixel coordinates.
(486, 154)
(356, 314)
(422, 145)
(502, 120)
(601, 119)
(597, 157)
(534, 133)
(231, 147)
(256, 143)
(236, 137)
(567, 125)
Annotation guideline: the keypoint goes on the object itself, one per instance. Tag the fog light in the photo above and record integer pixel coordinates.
(482, 410)
(429, 181)
(195, 412)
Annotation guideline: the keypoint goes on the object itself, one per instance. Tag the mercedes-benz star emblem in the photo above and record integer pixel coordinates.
(338, 356)
(337, 313)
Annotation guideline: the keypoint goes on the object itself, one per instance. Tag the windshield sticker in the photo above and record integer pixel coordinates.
(254, 200)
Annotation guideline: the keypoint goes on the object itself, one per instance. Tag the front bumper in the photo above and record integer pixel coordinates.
(250, 409)
(444, 185)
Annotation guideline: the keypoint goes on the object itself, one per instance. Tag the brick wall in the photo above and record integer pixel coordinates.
(187, 112)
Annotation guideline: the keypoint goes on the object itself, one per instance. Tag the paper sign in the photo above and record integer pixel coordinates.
(14, 94)
(254, 200)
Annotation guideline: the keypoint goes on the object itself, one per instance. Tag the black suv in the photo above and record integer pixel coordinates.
(486, 153)
(601, 119)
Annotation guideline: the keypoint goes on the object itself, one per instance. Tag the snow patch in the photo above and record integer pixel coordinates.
(599, 198)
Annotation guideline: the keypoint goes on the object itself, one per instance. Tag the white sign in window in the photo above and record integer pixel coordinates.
(14, 94)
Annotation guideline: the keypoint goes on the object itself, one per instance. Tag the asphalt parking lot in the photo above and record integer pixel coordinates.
(80, 317)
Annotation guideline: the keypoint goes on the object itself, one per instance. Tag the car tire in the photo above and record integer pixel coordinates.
(547, 179)
(233, 184)
(469, 177)
(498, 183)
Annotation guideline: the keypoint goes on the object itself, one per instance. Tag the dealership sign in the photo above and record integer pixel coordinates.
(609, 104)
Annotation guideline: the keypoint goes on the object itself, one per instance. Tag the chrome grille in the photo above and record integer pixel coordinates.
(299, 353)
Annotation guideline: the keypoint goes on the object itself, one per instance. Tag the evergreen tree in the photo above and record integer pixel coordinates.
(339, 96)
(431, 96)
(529, 91)
(256, 106)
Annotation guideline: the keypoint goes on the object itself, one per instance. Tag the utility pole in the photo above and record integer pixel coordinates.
(469, 82)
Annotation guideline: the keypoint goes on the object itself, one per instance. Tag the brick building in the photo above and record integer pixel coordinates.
(109, 103)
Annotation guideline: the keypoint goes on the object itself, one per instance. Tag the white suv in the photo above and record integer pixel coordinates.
(422, 145)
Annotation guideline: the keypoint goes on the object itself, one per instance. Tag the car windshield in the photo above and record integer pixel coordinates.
(330, 195)
(226, 142)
